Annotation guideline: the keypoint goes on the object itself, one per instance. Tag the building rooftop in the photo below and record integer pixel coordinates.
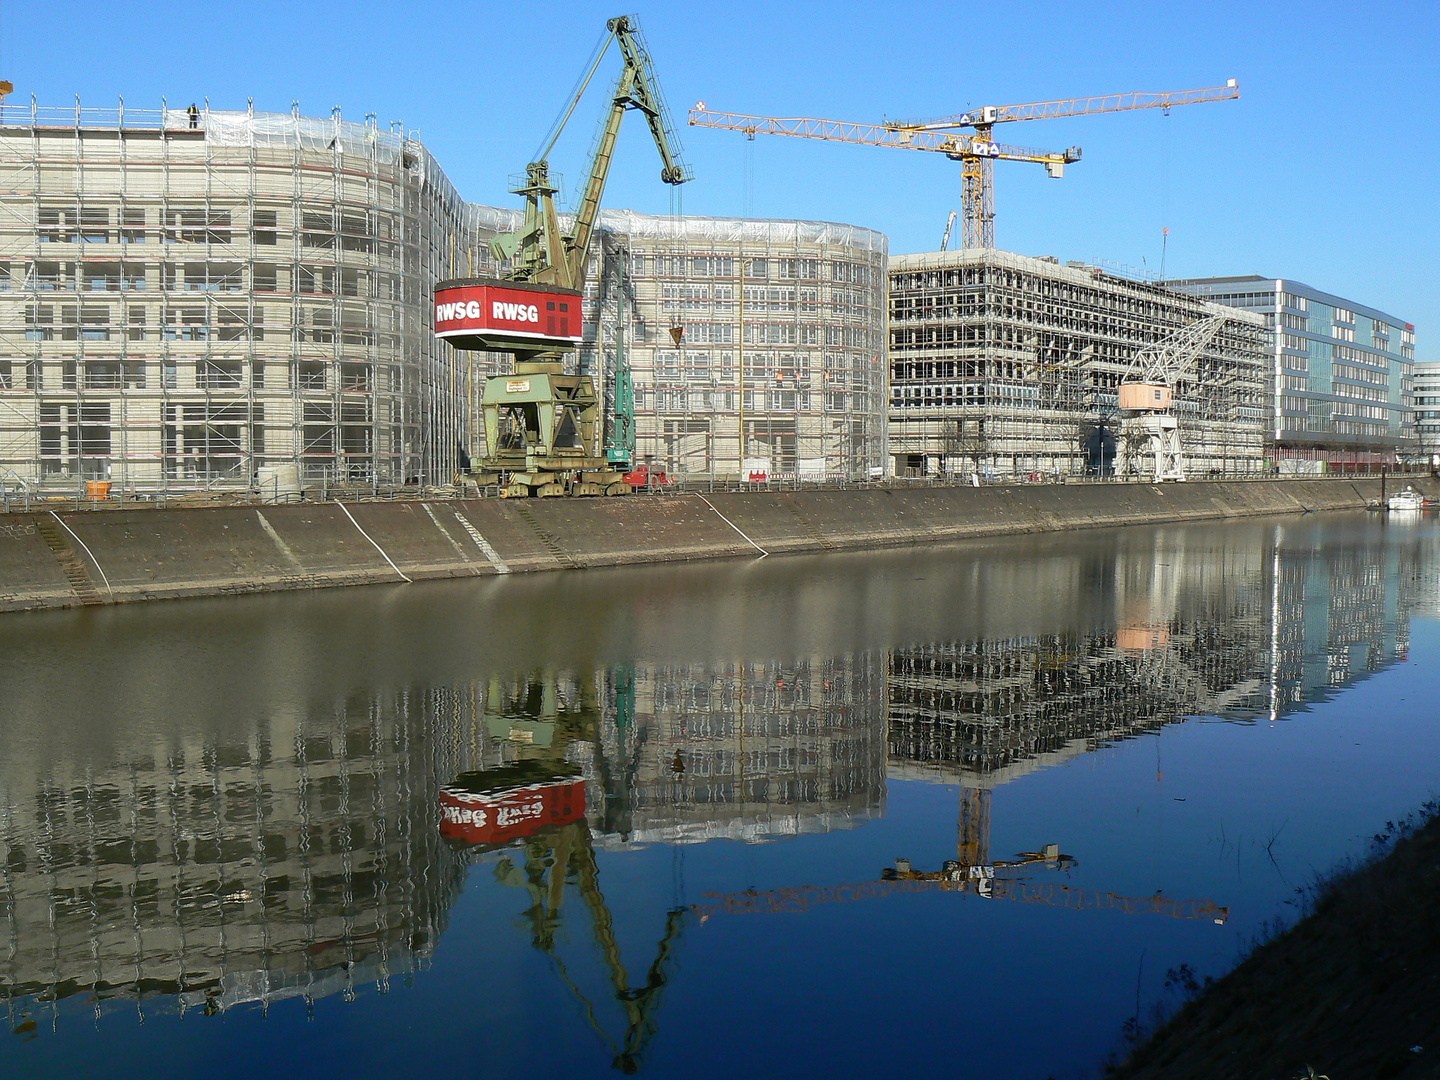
(1299, 287)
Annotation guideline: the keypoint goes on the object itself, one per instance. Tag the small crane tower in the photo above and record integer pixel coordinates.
(1147, 396)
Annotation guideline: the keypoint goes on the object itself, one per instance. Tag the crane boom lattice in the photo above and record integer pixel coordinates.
(1173, 358)
(977, 153)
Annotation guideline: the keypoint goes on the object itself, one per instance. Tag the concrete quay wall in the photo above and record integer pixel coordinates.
(68, 558)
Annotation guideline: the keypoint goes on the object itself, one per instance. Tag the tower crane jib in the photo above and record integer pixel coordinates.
(976, 152)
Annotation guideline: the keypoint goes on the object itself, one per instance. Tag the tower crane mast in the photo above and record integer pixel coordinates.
(977, 152)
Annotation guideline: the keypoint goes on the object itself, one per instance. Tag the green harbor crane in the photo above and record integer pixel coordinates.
(542, 426)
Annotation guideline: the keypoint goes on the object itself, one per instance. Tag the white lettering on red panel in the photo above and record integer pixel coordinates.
(499, 309)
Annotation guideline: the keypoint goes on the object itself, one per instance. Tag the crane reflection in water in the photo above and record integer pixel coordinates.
(300, 852)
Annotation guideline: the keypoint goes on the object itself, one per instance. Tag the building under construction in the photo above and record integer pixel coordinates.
(1008, 364)
(189, 296)
(193, 295)
(664, 296)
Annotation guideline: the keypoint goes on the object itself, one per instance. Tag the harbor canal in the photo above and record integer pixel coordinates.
(967, 807)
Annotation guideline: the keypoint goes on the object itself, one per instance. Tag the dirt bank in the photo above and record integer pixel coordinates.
(1352, 991)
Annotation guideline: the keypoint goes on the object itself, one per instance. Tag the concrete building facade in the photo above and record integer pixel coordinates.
(1341, 373)
(1010, 364)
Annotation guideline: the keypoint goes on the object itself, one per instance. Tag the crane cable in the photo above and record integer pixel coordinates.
(576, 93)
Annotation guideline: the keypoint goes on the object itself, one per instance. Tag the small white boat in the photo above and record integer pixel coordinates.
(1409, 499)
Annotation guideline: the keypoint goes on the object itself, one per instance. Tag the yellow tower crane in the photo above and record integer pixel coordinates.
(977, 152)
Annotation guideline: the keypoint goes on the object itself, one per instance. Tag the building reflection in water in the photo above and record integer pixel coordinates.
(304, 857)
(1235, 632)
(296, 859)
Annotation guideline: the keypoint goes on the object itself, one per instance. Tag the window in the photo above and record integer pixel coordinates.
(354, 282)
(319, 280)
(71, 225)
(318, 230)
(219, 374)
(319, 437)
(263, 223)
(45, 276)
(231, 324)
(102, 375)
(320, 323)
(39, 322)
(57, 226)
(196, 225)
(94, 324)
(213, 277)
(184, 324)
(132, 221)
(205, 440)
(355, 377)
(94, 225)
(356, 233)
(310, 375)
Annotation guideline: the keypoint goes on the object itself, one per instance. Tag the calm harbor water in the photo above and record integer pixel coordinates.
(817, 798)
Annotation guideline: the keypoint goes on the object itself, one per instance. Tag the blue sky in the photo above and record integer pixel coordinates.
(1326, 170)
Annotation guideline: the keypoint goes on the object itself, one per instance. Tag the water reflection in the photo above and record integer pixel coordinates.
(297, 859)
(318, 848)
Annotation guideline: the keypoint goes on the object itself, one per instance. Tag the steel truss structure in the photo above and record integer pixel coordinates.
(1007, 364)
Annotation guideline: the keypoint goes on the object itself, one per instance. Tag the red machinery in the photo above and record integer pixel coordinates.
(501, 811)
(485, 313)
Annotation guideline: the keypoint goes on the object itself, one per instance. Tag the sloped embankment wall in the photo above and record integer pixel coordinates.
(68, 558)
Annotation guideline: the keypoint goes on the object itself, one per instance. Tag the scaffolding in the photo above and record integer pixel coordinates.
(188, 296)
(297, 856)
(813, 341)
(1007, 364)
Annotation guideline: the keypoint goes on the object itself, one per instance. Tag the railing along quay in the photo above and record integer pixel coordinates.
(18, 495)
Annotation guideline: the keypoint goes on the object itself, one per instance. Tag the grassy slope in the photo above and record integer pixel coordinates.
(1348, 991)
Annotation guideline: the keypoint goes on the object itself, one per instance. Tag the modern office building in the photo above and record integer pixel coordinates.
(1010, 363)
(1341, 373)
(1425, 400)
